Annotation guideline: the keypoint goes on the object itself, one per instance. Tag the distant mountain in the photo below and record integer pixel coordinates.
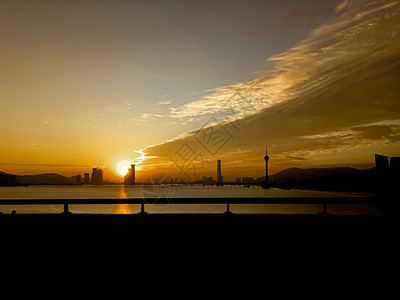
(47, 178)
(292, 174)
(331, 179)
(327, 179)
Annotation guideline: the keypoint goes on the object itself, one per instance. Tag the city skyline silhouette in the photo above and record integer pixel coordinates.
(380, 180)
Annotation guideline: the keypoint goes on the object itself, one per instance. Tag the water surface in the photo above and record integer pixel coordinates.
(169, 192)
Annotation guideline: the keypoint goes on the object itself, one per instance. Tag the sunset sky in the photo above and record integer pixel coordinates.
(172, 86)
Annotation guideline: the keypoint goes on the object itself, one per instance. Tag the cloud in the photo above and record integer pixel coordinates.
(391, 133)
(147, 116)
(128, 106)
(337, 90)
(164, 102)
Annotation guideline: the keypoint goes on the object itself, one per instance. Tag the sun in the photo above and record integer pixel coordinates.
(122, 167)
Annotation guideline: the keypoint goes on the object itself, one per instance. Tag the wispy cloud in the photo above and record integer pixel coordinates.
(128, 106)
(146, 116)
(336, 90)
(166, 102)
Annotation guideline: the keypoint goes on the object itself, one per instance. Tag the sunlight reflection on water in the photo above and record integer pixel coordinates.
(122, 192)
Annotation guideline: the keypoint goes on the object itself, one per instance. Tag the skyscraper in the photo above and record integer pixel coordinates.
(219, 177)
(387, 178)
(395, 163)
(382, 163)
(97, 176)
(86, 178)
(130, 177)
(266, 181)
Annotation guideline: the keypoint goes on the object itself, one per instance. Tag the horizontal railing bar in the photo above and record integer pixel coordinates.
(241, 200)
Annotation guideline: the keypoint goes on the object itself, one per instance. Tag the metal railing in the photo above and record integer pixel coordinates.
(323, 201)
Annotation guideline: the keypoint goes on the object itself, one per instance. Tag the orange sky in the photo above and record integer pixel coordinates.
(175, 87)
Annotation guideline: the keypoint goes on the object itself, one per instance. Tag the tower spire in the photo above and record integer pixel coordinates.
(266, 158)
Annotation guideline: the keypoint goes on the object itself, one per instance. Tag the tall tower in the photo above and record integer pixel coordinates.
(266, 158)
(219, 177)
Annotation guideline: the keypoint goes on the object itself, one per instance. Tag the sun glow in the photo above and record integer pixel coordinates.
(122, 167)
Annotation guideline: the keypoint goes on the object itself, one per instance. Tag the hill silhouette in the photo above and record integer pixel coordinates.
(331, 179)
(46, 178)
(292, 174)
(324, 179)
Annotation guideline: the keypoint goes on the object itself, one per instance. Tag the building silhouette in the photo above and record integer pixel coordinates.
(219, 176)
(382, 163)
(395, 164)
(266, 181)
(78, 179)
(86, 180)
(97, 176)
(130, 177)
(206, 180)
(382, 173)
(247, 179)
(387, 180)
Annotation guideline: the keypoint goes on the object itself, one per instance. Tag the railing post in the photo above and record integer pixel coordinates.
(66, 210)
(324, 209)
(142, 212)
(227, 212)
